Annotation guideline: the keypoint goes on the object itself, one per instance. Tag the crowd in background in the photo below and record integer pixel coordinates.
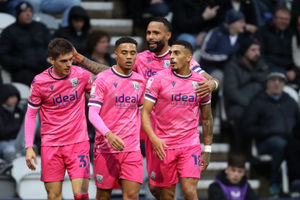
(251, 46)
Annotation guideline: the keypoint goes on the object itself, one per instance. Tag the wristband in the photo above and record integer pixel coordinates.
(217, 85)
(207, 148)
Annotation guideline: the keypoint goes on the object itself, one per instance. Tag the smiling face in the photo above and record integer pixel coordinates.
(62, 64)
(282, 19)
(126, 55)
(157, 36)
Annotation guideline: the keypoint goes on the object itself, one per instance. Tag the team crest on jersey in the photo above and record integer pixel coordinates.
(148, 60)
(149, 83)
(166, 64)
(173, 83)
(93, 88)
(51, 87)
(135, 85)
(115, 84)
(99, 178)
(195, 84)
(74, 82)
(153, 175)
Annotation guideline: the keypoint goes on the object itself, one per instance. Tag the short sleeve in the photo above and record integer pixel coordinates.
(35, 99)
(141, 100)
(152, 89)
(88, 80)
(97, 93)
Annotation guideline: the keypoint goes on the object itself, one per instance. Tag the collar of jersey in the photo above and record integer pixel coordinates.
(180, 76)
(50, 73)
(163, 55)
(119, 74)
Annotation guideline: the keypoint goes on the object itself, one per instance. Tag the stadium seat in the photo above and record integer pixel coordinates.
(50, 21)
(6, 76)
(28, 182)
(6, 20)
(24, 91)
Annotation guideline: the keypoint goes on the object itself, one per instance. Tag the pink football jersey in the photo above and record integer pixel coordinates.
(148, 64)
(120, 98)
(61, 104)
(176, 107)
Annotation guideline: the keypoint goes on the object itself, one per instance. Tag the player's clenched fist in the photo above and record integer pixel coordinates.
(115, 141)
(30, 155)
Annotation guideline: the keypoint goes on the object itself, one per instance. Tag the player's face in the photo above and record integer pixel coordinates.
(25, 17)
(157, 36)
(126, 55)
(253, 53)
(62, 64)
(275, 86)
(180, 57)
(234, 174)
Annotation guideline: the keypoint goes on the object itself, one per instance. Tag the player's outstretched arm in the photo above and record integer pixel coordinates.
(90, 65)
(157, 143)
(207, 86)
(30, 155)
(207, 130)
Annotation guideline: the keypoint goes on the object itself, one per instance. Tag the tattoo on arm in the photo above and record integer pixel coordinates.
(207, 124)
(93, 66)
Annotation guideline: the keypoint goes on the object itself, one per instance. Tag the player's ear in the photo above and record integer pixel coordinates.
(169, 35)
(51, 59)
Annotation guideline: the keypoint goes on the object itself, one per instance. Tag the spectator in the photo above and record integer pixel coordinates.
(270, 119)
(54, 7)
(231, 183)
(244, 77)
(23, 46)
(295, 11)
(275, 38)
(77, 30)
(266, 9)
(222, 42)
(248, 8)
(97, 48)
(11, 118)
(192, 18)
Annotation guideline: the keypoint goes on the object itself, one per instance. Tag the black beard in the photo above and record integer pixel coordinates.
(159, 46)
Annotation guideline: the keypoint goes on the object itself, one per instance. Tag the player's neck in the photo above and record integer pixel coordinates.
(163, 52)
(185, 71)
(56, 73)
(122, 71)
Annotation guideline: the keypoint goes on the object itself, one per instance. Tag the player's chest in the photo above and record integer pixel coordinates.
(63, 92)
(174, 90)
(151, 67)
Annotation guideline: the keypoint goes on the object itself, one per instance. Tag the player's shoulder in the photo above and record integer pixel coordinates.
(145, 53)
(162, 73)
(105, 75)
(79, 70)
(197, 76)
(43, 77)
(138, 77)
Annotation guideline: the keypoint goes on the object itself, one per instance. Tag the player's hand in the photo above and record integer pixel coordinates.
(158, 147)
(205, 88)
(77, 56)
(115, 141)
(205, 159)
(30, 155)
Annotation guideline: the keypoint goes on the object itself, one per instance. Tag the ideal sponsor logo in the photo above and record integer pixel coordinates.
(149, 73)
(125, 101)
(64, 99)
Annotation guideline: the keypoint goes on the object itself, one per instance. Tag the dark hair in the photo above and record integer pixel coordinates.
(59, 46)
(237, 160)
(186, 44)
(163, 20)
(93, 39)
(125, 39)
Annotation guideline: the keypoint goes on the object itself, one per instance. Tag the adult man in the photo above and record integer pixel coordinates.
(58, 93)
(116, 97)
(245, 76)
(157, 58)
(23, 46)
(232, 183)
(270, 119)
(175, 139)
